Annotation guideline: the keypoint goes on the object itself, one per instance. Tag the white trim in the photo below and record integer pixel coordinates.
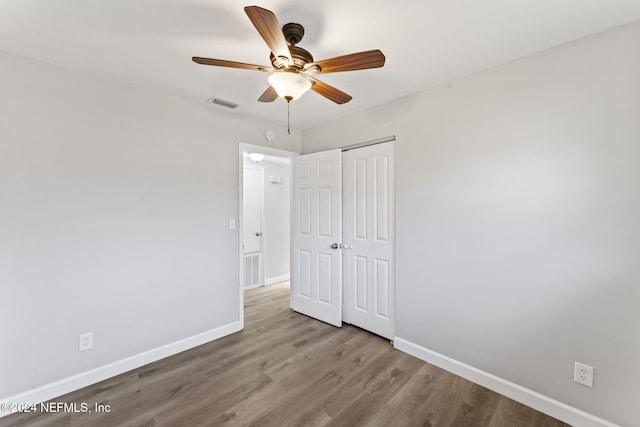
(369, 143)
(248, 288)
(530, 398)
(277, 279)
(83, 379)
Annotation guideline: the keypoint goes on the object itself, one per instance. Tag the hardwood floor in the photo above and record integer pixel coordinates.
(286, 369)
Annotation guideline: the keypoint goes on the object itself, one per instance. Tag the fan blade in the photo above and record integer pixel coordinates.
(267, 25)
(329, 92)
(353, 61)
(268, 95)
(230, 64)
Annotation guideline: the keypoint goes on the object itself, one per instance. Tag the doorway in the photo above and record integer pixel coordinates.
(264, 222)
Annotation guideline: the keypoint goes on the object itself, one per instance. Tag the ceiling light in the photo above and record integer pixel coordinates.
(256, 157)
(289, 85)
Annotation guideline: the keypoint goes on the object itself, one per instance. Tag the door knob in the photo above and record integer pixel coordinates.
(336, 246)
(258, 234)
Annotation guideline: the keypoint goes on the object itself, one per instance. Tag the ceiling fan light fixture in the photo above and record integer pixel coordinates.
(289, 85)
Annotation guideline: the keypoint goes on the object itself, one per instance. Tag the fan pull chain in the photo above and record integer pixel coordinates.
(289, 117)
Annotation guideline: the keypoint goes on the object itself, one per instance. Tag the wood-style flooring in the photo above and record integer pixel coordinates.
(286, 369)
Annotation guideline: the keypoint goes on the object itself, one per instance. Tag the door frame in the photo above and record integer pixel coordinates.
(252, 148)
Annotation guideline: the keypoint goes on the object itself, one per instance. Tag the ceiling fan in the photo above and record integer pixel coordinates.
(292, 68)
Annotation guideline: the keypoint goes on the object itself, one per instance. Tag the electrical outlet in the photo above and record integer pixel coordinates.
(85, 342)
(583, 374)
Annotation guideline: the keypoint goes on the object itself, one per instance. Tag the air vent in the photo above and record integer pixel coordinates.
(222, 102)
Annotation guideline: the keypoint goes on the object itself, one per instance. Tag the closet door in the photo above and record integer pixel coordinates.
(316, 255)
(368, 222)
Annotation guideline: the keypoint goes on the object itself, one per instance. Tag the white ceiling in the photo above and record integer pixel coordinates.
(149, 43)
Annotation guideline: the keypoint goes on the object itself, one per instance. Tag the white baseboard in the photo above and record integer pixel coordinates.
(83, 379)
(277, 279)
(527, 397)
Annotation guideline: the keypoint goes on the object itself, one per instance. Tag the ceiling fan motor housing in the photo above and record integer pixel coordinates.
(293, 33)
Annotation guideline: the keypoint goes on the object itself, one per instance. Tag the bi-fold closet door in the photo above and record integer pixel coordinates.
(368, 238)
(345, 273)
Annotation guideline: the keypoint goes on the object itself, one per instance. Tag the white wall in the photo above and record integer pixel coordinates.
(276, 217)
(518, 218)
(114, 209)
(277, 224)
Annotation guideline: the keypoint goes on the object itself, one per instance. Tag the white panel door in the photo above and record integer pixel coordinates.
(369, 238)
(252, 207)
(252, 212)
(316, 271)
